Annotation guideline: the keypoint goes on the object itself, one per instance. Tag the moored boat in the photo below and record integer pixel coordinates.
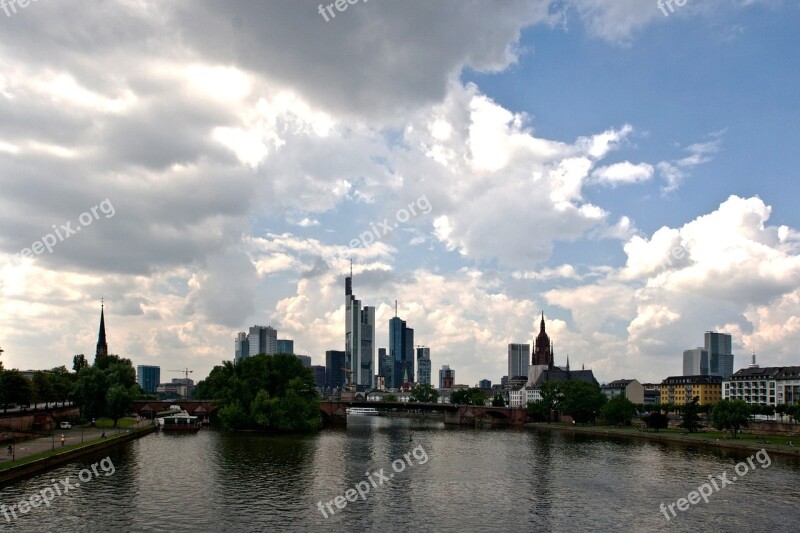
(177, 419)
(362, 411)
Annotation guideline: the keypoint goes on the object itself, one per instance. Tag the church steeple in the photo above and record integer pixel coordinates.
(102, 347)
(542, 348)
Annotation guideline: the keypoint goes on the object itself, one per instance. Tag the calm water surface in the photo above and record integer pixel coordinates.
(472, 480)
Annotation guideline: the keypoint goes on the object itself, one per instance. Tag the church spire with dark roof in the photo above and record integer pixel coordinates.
(102, 347)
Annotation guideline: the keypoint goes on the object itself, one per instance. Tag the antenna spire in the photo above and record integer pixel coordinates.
(395, 308)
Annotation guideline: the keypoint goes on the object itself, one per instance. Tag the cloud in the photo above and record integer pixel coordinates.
(727, 270)
(674, 172)
(622, 173)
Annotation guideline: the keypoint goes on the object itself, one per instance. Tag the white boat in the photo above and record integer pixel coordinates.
(362, 411)
(177, 419)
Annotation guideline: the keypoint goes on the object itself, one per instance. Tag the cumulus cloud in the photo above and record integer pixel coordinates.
(621, 173)
(726, 271)
(245, 146)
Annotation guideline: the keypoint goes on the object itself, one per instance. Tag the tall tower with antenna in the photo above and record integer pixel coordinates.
(359, 338)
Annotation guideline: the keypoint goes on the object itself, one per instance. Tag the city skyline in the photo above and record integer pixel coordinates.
(542, 159)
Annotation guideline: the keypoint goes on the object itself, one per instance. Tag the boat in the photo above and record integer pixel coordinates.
(362, 411)
(177, 419)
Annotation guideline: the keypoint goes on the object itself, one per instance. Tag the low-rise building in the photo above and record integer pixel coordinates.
(652, 393)
(680, 390)
(627, 388)
(767, 386)
(521, 397)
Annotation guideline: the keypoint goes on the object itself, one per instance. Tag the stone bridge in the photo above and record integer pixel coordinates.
(334, 412)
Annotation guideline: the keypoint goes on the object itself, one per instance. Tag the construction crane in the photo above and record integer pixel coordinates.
(184, 371)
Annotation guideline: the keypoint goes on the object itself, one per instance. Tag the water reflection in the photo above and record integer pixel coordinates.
(477, 480)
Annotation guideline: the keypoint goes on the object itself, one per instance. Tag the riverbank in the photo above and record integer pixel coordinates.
(721, 442)
(46, 460)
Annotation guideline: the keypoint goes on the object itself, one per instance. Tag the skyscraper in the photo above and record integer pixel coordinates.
(241, 347)
(424, 365)
(284, 346)
(334, 369)
(695, 362)
(359, 338)
(148, 377)
(519, 357)
(262, 339)
(401, 348)
(720, 356)
(386, 366)
(319, 375)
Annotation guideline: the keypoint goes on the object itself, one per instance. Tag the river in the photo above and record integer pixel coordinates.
(414, 476)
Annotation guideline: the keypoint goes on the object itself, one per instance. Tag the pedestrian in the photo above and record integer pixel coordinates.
(10, 450)
(62, 439)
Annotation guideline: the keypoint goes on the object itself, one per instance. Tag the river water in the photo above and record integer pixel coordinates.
(420, 476)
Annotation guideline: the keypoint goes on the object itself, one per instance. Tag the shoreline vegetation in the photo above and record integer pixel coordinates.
(267, 393)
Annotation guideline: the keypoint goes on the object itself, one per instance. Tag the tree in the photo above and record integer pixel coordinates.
(90, 391)
(271, 393)
(472, 396)
(118, 401)
(656, 420)
(796, 412)
(14, 388)
(539, 410)
(552, 397)
(424, 393)
(691, 416)
(62, 382)
(459, 396)
(731, 415)
(582, 401)
(1, 363)
(43, 387)
(79, 362)
(498, 401)
(618, 410)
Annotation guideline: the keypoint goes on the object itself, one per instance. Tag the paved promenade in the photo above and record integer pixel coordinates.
(76, 435)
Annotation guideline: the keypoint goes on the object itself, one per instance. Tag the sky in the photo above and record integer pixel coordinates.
(628, 170)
